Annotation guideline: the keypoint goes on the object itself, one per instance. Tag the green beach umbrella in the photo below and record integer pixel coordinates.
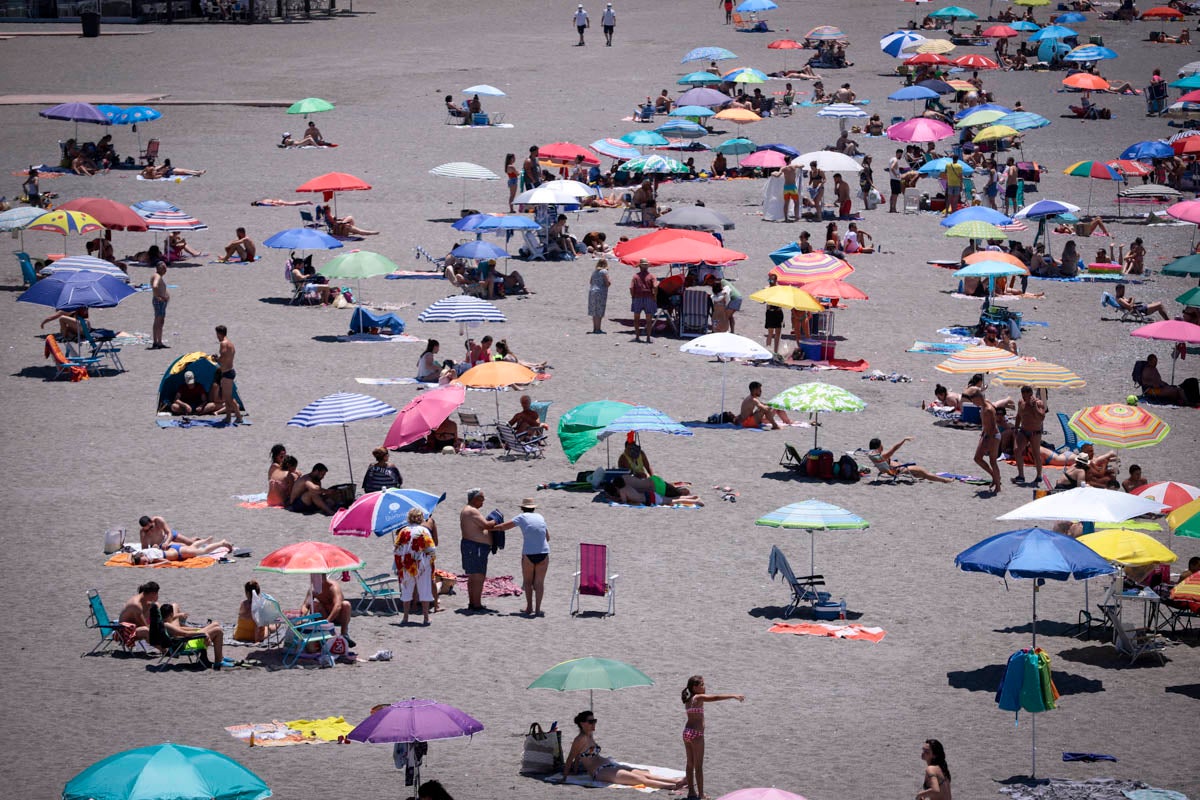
(1190, 298)
(356, 265)
(1185, 520)
(985, 117)
(814, 398)
(1186, 267)
(310, 105)
(976, 230)
(578, 428)
(591, 674)
(813, 515)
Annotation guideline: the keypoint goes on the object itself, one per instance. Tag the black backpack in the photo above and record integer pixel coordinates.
(846, 469)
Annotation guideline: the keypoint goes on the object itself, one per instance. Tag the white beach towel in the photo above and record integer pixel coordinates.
(584, 780)
(173, 178)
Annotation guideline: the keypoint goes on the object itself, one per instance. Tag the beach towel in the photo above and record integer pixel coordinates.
(270, 734)
(938, 348)
(829, 630)
(329, 729)
(1087, 757)
(483, 127)
(253, 501)
(324, 146)
(499, 586)
(381, 337)
(235, 261)
(199, 562)
(131, 338)
(583, 780)
(192, 422)
(845, 365)
(971, 479)
(272, 202)
(172, 179)
(394, 382)
(419, 274)
(45, 172)
(614, 504)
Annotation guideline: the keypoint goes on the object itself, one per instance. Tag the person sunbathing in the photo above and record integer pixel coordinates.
(505, 353)
(344, 226)
(177, 246)
(154, 172)
(155, 532)
(883, 459)
(69, 329)
(1083, 228)
(947, 399)
(304, 276)
(307, 141)
(1184, 37)
(621, 490)
(281, 478)
(584, 757)
(149, 556)
(1130, 304)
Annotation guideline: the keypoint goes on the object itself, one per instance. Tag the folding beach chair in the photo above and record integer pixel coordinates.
(804, 589)
(102, 345)
(1133, 642)
(170, 647)
(299, 632)
(888, 473)
(308, 220)
(77, 368)
(793, 459)
(472, 430)
(384, 587)
(1136, 314)
(593, 579)
(150, 154)
(29, 275)
(695, 317)
(1070, 439)
(98, 618)
(526, 448)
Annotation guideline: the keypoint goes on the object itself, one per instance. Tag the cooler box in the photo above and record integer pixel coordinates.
(480, 119)
(827, 610)
(811, 349)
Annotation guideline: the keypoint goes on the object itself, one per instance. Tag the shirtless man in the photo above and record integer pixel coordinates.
(791, 192)
(643, 198)
(841, 191)
(531, 171)
(224, 358)
(155, 532)
(754, 412)
(844, 95)
(1154, 385)
(329, 602)
(989, 440)
(159, 298)
(634, 491)
(1130, 304)
(314, 133)
(137, 610)
(525, 422)
(308, 497)
(243, 247)
(1135, 479)
(1031, 420)
(475, 547)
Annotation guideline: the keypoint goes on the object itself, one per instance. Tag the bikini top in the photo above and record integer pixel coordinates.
(695, 710)
(590, 752)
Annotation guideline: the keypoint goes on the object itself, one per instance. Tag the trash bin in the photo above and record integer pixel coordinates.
(91, 24)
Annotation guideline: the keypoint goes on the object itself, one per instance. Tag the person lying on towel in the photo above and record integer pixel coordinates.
(175, 552)
(633, 491)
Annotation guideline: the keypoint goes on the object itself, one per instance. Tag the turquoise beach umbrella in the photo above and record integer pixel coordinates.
(578, 428)
(166, 772)
(954, 12)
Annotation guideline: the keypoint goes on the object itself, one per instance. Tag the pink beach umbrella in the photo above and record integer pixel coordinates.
(1170, 330)
(424, 414)
(1188, 211)
(920, 129)
(760, 793)
(767, 159)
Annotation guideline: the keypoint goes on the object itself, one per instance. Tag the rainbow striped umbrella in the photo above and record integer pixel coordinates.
(1119, 425)
(1185, 520)
(1040, 375)
(1093, 169)
(806, 267)
(979, 358)
(65, 222)
(1188, 590)
(1169, 493)
(813, 515)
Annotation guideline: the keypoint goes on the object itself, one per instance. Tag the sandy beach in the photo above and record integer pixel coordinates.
(827, 719)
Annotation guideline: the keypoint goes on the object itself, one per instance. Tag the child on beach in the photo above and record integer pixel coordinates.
(694, 699)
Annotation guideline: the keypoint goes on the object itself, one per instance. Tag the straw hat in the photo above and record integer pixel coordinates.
(528, 503)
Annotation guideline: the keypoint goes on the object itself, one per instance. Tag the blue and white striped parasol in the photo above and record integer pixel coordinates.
(894, 43)
(614, 148)
(1090, 52)
(643, 418)
(462, 308)
(80, 263)
(682, 128)
(341, 408)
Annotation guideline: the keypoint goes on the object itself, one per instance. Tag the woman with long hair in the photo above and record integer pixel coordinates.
(936, 781)
(511, 174)
(585, 757)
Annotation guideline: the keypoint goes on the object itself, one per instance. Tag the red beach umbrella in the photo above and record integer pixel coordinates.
(976, 61)
(1162, 12)
(999, 32)
(627, 249)
(565, 152)
(683, 251)
(785, 44)
(332, 182)
(929, 58)
(1187, 146)
(108, 213)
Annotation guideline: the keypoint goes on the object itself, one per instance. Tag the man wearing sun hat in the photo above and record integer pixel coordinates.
(582, 23)
(535, 553)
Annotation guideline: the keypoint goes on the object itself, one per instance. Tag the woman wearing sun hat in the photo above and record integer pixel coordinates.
(535, 553)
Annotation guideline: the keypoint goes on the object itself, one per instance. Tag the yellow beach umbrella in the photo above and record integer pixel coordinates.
(1040, 375)
(741, 116)
(1185, 520)
(979, 358)
(985, 117)
(976, 229)
(1128, 547)
(65, 222)
(935, 46)
(993, 132)
(787, 297)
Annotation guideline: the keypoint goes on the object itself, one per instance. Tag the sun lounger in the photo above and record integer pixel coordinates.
(804, 589)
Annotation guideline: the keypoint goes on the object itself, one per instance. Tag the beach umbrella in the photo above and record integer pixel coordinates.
(941, 87)
(174, 771)
(479, 250)
(591, 673)
(1187, 210)
(1137, 169)
(462, 309)
(493, 223)
(994, 255)
(726, 347)
(1000, 32)
(357, 265)
(812, 516)
(75, 290)
(985, 117)
(132, 116)
(976, 230)
(755, 6)
(496, 377)
(544, 196)
(913, 93)
(976, 214)
(1162, 12)
(643, 419)
(1128, 548)
(109, 213)
(832, 289)
(1190, 298)
(654, 165)
(927, 59)
(814, 398)
(808, 267)
(1185, 267)
(302, 239)
(1085, 81)
(765, 159)
(733, 74)
(1169, 330)
(1053, 32)
(423, 415)
(1119, 425)
(309, 558)
(65, 266)
(994, 132)
(331, 183)
(684, 128)
(919, 129)
(576, 189)
(65, 223)
(615, 148)
(738, 116)
(990, 270)
(785, 44)
(979, 358)
(644, 138)
(1089, 52)
(708, 54)
(691, 111)
(1039, 555)
(382, 513)
(828, 161)
(1191, 81)
(780, 148)
(412, 721)
(895, 43)
(702, 96)
(790, 297)
(975, 61)
(310, 105)
(1070, 18)
(1024, 26)
(932, 46)
(1023, 120)
(340, 408)
(1046, 208)
(627, 249)
(825, 33)
(77, 112)
(700, 78)
(484, 89)
(1040, 375)
(1093, 169)
(1182, 111)
(761, 793)
(842, 112)
(1187, 590)
(1086, 504)
(695, 218)
(578, 427)
(736, 147)
(15, 219)
(1185, 520)
(464, 171)
(562, 153)
(678, 250)
(954, 12)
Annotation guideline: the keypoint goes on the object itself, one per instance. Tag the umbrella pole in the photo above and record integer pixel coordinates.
(1033, 745)
(816, 427)
(812, 552)
(591, 704)
(349, 466)
(722, 388)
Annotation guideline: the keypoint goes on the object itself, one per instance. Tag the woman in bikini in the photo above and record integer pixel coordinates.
(694, 699)
(936, 783)
(511, 175)
(149, 556)
(281, 477)
(585, 757)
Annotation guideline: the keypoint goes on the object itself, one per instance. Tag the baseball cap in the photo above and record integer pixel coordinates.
(189, 377)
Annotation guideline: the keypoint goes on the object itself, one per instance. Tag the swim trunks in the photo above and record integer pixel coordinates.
(897, 186)
(160, 307)
(229, 373)
(474, 557)
(790, 191)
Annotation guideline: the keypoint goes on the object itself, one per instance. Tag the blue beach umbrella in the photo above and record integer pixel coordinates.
(1045, 208)
(976, 214)
(65, 266)
(1070, 18)
(172, 771)
(382, 513)
(938, 166)
(708, 54)
(108, 110)
(782, 149)
(135, 114)
(894, 43)
(341, 408)
(1147, 151)
(1090, 52)
(1053, 32)
(506, 222)
(1024, 25)
(954, 12)
(755, 6)
(75, 290)
(644, 138)
(687, 112)
(784, 253)
(302, 239)
(699, 79)
(479, 250)
(643, 419)
(1023, 120)
(683, 128)
(913, 93)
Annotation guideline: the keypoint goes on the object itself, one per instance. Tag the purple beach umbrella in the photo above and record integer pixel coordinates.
(77, 113)
(415, 720)
(702, 96)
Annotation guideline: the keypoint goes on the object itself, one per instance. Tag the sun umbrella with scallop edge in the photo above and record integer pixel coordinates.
(811, 516)
(1119, 425)
(738, 116)
(979, 358)
(309, 558)
(166, 770)
(496, 377)
(331, 183)
(815, 397)
(65, 223)
(412, 721)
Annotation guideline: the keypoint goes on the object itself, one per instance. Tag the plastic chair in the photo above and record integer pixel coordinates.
(1070, 439)
(98, 619)
(299, 632)
(804, 589)
(378, 587)
(102, 346)
(1133, 642)
(308, 219)
(593, 579)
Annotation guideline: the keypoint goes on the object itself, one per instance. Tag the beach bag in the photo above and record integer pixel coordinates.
(820, 464)
(847, 469)
(114, 540)
(542, 753)
(1191, 391)
(262, 614)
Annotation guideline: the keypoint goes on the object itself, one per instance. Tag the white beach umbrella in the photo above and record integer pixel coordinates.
(465, 171)
(484, 89)
(574, 188)
(1086, 504)
(828, 160)
(726, 346)
(544, 196)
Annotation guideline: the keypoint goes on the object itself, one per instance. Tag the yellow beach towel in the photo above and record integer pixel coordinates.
(327, 729)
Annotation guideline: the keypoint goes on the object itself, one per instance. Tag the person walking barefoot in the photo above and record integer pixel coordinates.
(694, 698)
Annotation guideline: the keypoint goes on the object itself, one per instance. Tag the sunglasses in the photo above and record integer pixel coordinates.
(591, 721)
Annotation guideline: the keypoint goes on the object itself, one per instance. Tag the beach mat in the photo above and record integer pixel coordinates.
(829, 630)
(325, 146)
(284, 734)
(172, 179)
(380, 337)
(255, 501)
(499, 586)
(123, 560)
(235, 261)
(971, 479)
(191, 422)
(394, 382)
(271, 202)
(937, 348)
(584, 780)
(419, 274)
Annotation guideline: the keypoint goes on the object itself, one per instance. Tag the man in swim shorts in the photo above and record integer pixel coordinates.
(1030, 419)
(159, 298)
(754, 412)
(987, 452)
(308, 496)
(224, 358)
(475, 547)
(155, 532)
(791, 192)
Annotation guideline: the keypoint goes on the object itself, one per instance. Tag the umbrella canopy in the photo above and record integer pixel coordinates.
(109, 213)
(695, 218)
(1162, 12)
(615, 148)
(1023, 120)
(71, 264)
(984, 117)
(334, 182)
(479, 250)
(171, 221)
(976, 214)
(791, 297)
(1169, 330)
(382, 513)
(813, 515)
(642, 419)
(975, 61)
(76, 112)
(919, 129)
(682, 127)
(842, 111)
(310, 105)
(708, 54)
(1190, 298)
(415, 720)
(1033, 553)
(779, 44)
(341, 408)
(77, 290)
(578, 428)
(1187, 210)
(1186, 267)
(1089, 52)
(756, 75)
(1093, 169)
(808, 267)
(1119, 425)
(828, 161)
(726, 347)
(976, 230)
(814, 398)
(994, 255)
(935, 85)
(895, 43)
(423, 415)
(1129, 548)
(834, 290)
(760, 793)
(739, 116)
(16, 219)
(1086, 504)
(755, 6)
(302, 239)
(938, 166)
(1053, 32)
(979, 358)
(461, 308)
(653, 165)
(826, 33)
(497, 375)
(701, 78)
(954, 12)
(168, 770)
(1040, 375)
(929, 59)
(496, 222)
(309, 558)
(624, 249)
(691, 111)
(644, 138)
(1025, 26)
(461, 169)
(1085, 81)
(680, 251)
(1046, 208)
(1000, 32)
(993, 133)
(484, 89)
(65, 222)
(543, 196)
(357, 264)
(737, 146)
(591, 673)
(702, 96)
(990, 269)
(766, 159)
(1185, 520)
(913, 93)
(1188, 590)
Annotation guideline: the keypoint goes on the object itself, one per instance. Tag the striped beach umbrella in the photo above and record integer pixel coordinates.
(894, 44)
(814, 398)
(976, 230)
(340, 408)
(615, 148)
(808, 267)
(643, 419)
(842, 111)
(309, 558)
(1119, 425)
(1089, 52)
(1040, 375)
(171, 221)
(461, 308)
(1170, 493)
(64, 266)
(825, 33)
(1185, 520)
(979, 358)
(384, 512)
(1023, 120)
(812, 516)
(708, 54)
(985, 117)
(975, 61)
(654, 165)
(1187, 591)
(683, 128)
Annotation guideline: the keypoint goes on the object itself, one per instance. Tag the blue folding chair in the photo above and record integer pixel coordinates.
(1070, 439)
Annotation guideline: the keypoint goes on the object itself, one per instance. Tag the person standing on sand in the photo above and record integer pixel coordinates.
(535, 553)
(935, 785)
(791, 191)
(582, 23)
(989, 440)
(159, 298)
(608, 21)
(224, 358)
(475, 547)
(598, 294)
(1030, 421)
(728, 6)
(694, 698)
(531, 173)
(642, 288)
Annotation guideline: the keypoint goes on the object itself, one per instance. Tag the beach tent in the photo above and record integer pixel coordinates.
(204, 370)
